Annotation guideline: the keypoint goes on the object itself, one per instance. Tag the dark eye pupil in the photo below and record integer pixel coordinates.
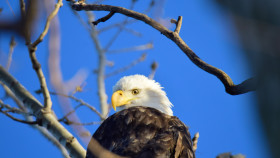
(135, 91)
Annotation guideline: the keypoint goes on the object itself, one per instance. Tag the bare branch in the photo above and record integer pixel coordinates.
(230, 87)
(47, 25)
(12, 117)
(13, 109)
(113, 39)
(48, 120)
(36, 65)
(195, 140)
(28, 16)
(105, 18)
(56, 75)
(81, 103)
(10, 7)
(43, 131)
(12, 46)
(101, 69)
(118, 24)
(53, 140)
(132, 49)
(27, 116)
(128, 21)
(69, 113)
(121, 28)
(133, 32)
(86, 124)
(133, 63)
(68, 122)
(19, 120)
(178, 24)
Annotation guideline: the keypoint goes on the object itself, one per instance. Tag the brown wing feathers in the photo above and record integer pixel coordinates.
(143, 132)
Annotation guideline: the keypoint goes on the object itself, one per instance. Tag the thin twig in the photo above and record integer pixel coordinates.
(81, 103)
(56, 76)
(43, 130)
(132, 31)
(19, 120)
(178, 24)
(195, 140)
(101, 69)
(47, 25)
(132, 49)
(154, 67)
(36, 65)
(47, 119)
(118, 24)
(13, 118)
(105, 18)
(13, 109)
(69, 113)
(129, 21)
(230, 87)
(10, 7)
(85, 24)
(68, 122)
(121, 28)
(132, 64)
(113, 39)
(12, 46)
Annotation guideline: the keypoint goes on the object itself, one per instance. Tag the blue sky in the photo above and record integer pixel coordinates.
(226, 123)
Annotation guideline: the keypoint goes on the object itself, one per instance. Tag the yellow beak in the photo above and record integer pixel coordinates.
(119, 99)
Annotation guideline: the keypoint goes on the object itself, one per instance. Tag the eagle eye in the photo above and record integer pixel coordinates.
(135, 91)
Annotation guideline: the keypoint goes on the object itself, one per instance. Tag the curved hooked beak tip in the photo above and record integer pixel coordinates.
(119, 99)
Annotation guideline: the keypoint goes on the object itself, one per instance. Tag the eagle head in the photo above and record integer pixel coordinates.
(138, 90)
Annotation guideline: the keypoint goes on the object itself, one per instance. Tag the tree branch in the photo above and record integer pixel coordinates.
(230, 87)
(105, 18)
(47, 25)
(132, 49)
(101, 70)
(36, 65)
(48, 120)
(2, 105)
(118, 24)
(13, 109)
(68, 122)
(178, 24)
(19, 120)
(11, 50)
(81, 103)
(43, 131)
(133, 63)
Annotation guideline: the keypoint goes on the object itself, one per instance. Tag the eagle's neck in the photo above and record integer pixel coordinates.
(163, 106)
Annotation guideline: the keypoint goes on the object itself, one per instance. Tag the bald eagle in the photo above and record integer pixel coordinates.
(144, 126)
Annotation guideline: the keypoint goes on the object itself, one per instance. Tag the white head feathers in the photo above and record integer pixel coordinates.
(149, 93)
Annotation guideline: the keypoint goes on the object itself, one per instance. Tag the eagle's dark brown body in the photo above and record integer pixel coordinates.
(143, 132)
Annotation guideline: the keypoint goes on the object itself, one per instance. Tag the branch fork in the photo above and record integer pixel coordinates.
(230, 87)
(178, 24)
